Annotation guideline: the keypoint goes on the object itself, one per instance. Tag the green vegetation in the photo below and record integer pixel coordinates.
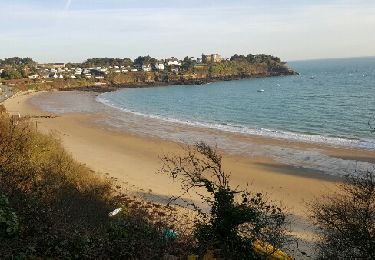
(237, 219)
(16, 61)
(10, 73)
(144, 60)
(105, 62)
(54, 207)
(346, 219)
(16, 68)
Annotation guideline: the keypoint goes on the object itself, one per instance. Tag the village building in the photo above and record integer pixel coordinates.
(33, 76)
(211, 58)
(146, 67)
(173, 61)
(159, 66)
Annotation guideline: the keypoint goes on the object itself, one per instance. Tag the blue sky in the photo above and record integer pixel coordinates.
(73, 30)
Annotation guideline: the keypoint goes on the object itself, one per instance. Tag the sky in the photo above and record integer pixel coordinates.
(74, 30)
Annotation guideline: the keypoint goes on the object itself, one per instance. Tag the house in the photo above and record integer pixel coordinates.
(211, 58)
(134, 70)
(88, 76)
(124, 71)
(55, 76)
(78, 71)
(173, 61)
(73, 77)
(61, 76)
(117, 71)
(86, 71)
(146, 67)
(99, 77)
(159, 66)
(34, 76)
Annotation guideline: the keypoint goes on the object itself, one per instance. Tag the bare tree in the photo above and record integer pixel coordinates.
(346, 219)
(237, 219)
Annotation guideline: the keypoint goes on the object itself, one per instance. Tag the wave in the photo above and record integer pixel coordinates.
(276, 134)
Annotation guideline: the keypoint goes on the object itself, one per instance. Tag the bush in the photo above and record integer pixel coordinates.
(346, 219)
(8, 219)
(237, 219)
(58, 208)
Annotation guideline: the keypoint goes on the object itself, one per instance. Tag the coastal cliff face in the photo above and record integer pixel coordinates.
(201, 73)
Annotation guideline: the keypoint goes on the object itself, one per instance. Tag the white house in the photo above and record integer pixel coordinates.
(99, 77)
(88, 76)
(173, 61)
(61, 76)
(124, 71)
(78, 71)
(159, 66)
(73, 77)
(133, 70)
(146, 67)
(86, 71)
(34, 76)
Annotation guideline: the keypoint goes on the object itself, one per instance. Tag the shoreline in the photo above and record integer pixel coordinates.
(134, 159)
(110, 87)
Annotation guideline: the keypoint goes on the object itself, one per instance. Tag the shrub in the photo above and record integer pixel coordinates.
(8, 219)
(346, 219)
(60, 207)
(237, 219)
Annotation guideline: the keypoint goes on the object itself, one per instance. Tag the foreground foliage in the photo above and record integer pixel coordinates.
(54, 207)
(346, 219)
(237, 220)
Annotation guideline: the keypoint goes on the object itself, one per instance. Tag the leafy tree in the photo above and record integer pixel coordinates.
(10, 73)
(16, 61)
(101, 62)
(188, 63)
(237, 57)
(144, 60)
(237, 219)
(346, 219)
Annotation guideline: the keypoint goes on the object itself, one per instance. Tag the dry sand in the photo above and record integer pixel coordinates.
(134, 161)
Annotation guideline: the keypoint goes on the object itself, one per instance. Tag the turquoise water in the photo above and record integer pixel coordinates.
(331, 101)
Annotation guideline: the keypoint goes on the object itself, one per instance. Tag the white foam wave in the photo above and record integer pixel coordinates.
(319, 139)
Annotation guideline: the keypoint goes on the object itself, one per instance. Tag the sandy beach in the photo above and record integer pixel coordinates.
(134, 161)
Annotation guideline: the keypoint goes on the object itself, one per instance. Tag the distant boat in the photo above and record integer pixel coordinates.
(312, 77)
(260, 90)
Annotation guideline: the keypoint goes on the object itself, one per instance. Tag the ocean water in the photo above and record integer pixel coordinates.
(331, 102)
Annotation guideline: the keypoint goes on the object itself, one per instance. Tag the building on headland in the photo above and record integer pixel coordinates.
(159, 66)
(211, 58)
(173, 61)
(33, 76)
(146, 67)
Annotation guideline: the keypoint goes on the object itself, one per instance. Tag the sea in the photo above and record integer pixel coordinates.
(331, 102)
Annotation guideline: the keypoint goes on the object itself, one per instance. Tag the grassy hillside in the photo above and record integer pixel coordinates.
(53, 207)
